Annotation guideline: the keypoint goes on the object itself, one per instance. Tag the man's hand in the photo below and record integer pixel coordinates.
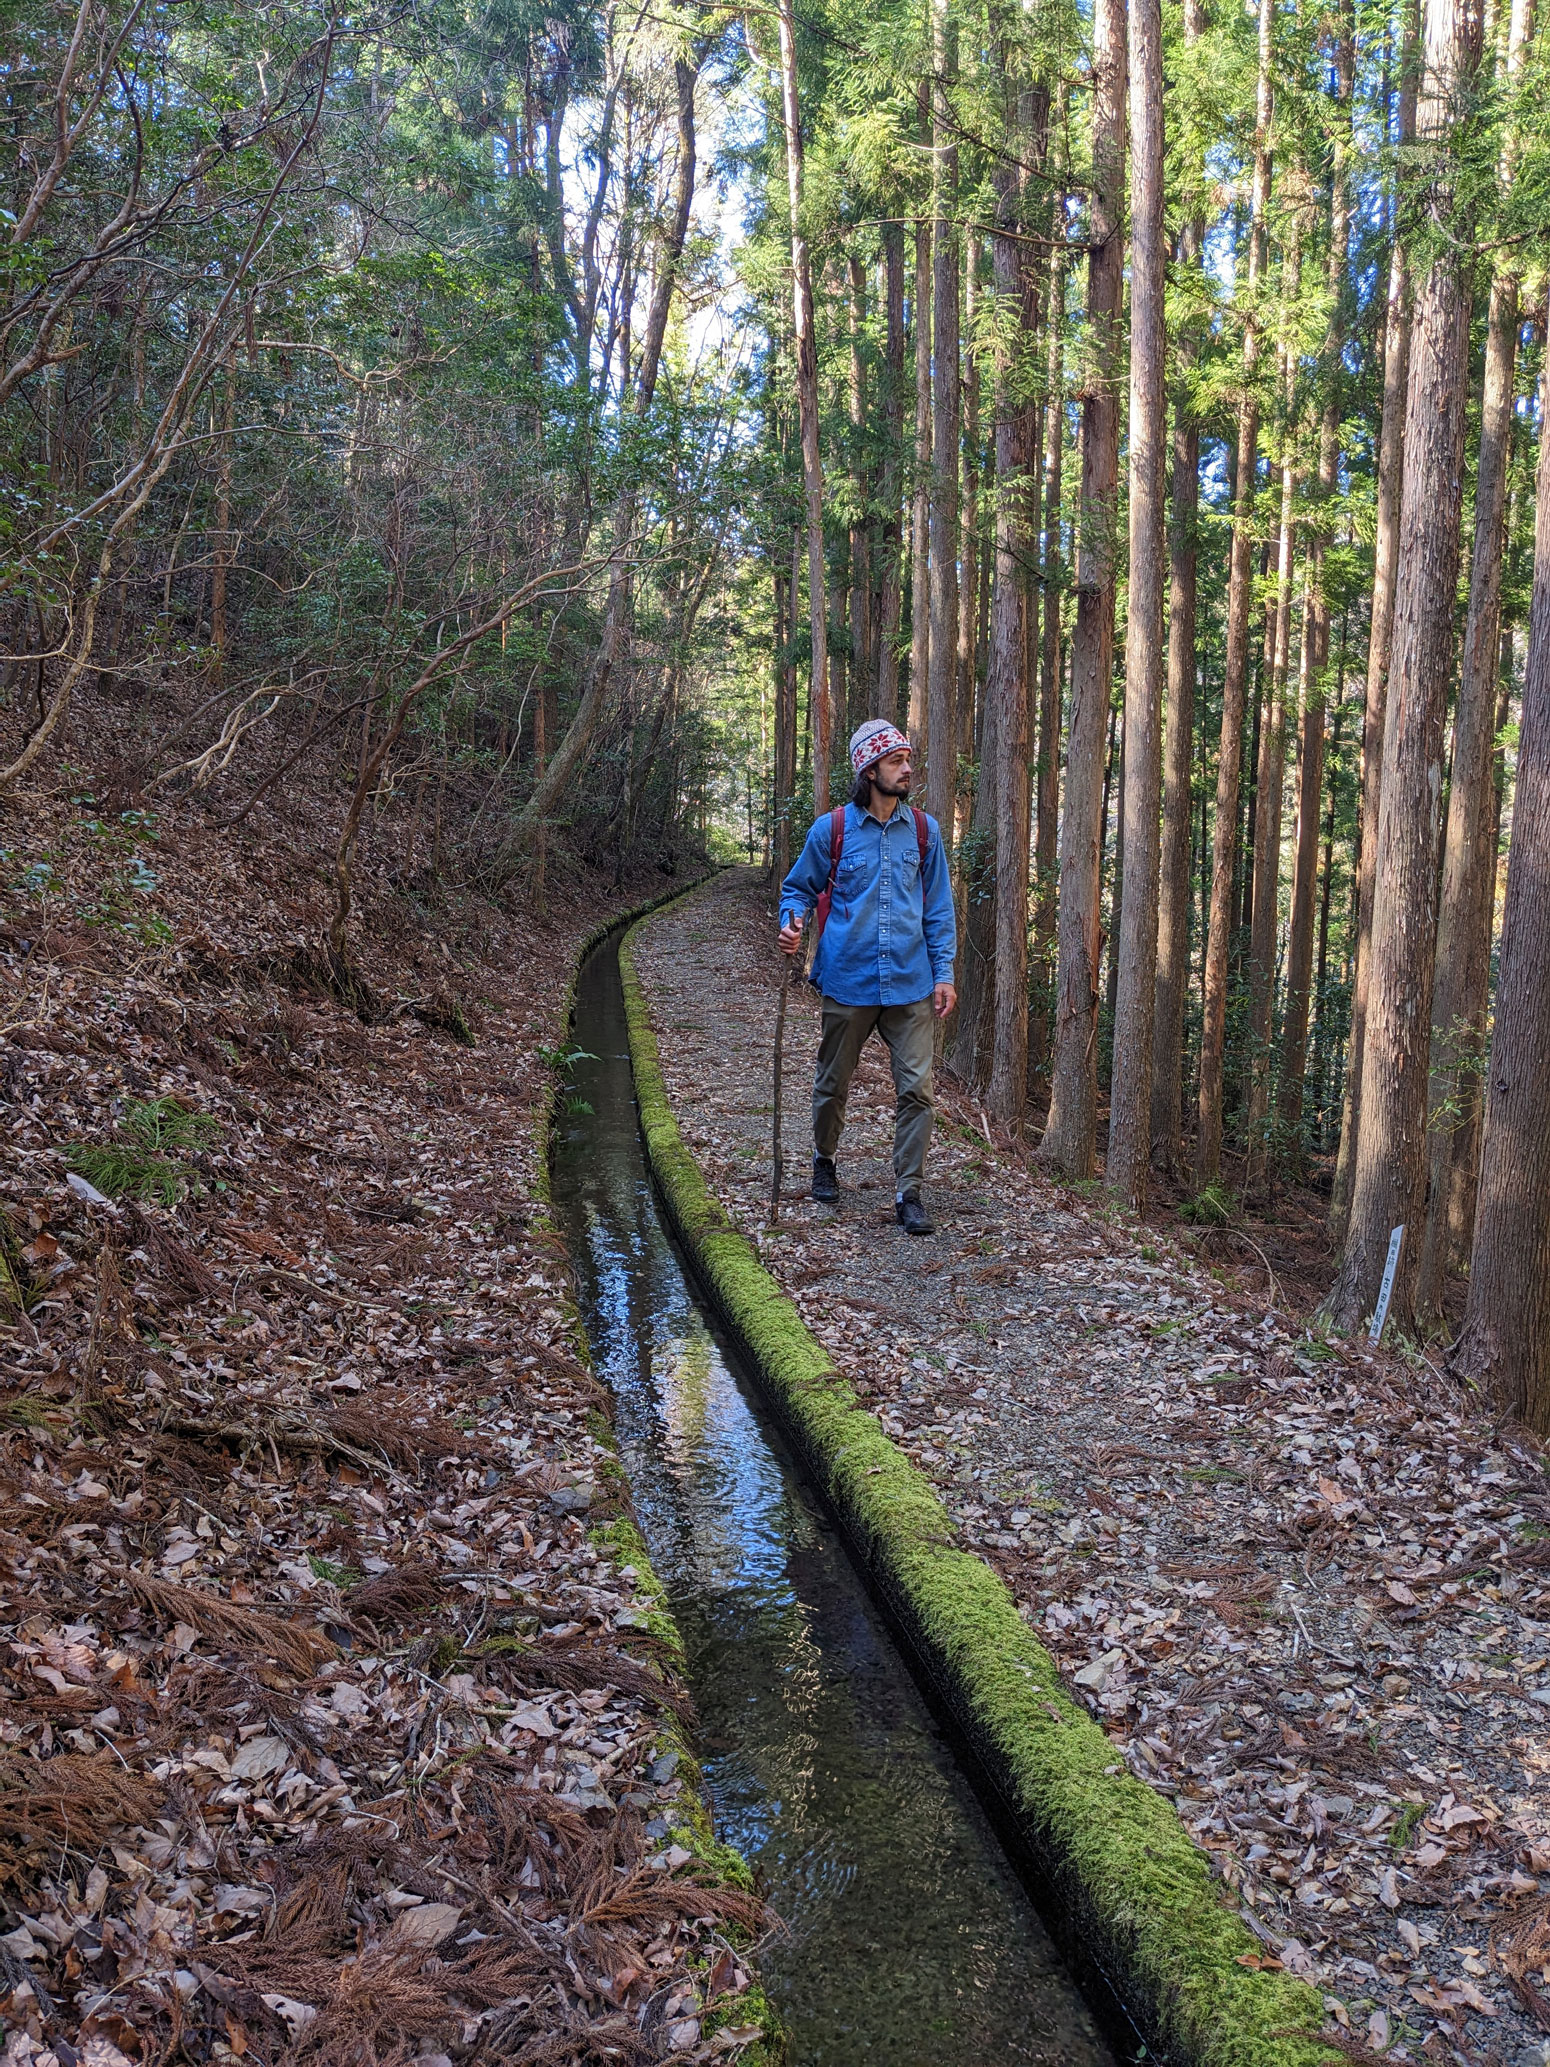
(791, 936)
(943, 997)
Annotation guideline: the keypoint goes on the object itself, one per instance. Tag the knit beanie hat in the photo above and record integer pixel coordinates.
(870, 742)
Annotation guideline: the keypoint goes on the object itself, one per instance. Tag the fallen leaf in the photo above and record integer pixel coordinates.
(427, 1925)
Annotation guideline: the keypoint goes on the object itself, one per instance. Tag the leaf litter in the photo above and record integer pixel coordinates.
(329, 1694)
(1305, 1589)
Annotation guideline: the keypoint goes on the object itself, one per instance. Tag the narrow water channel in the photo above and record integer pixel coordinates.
(909, 1937)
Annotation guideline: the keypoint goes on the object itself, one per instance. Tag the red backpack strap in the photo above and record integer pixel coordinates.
(836, 848)
(922, 835)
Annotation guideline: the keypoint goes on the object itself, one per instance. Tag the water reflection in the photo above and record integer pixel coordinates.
(909, 1937)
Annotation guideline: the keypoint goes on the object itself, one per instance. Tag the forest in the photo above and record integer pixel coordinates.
(591, 413)
(466, 469)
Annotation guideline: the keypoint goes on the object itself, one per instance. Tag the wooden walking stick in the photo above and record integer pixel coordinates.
(778, 1163)
(788, 983)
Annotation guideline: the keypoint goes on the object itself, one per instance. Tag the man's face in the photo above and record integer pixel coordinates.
(891, 776)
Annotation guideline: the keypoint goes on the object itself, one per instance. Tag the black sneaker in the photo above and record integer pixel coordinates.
(826, 1184)
(913, 1217)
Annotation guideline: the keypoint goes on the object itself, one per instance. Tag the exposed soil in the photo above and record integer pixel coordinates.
(1306, 1589)
(336, 1720)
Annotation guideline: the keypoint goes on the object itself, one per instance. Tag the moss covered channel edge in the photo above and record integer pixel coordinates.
(1144, 1916)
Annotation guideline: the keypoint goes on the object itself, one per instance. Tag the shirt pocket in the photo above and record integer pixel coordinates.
(848, 878)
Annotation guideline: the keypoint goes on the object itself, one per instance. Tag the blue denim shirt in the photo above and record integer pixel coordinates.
(885, 942)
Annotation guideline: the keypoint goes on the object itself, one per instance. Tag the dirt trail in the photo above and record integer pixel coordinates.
(1306, 1590)
(335, 1722)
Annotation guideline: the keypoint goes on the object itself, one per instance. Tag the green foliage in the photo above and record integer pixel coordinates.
(140, 1161)
(1404, 1828)
(334, 1574)
(1212, 1206)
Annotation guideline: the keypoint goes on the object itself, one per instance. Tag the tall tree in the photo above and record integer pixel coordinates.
(1269, 783)
(889, 574)
(1469, 853)
(1069, 1140)
(1387, 1187)
(946, 407)
(1213, 1033)
(1130, 1122)
(1316, 620)
(1398, 315)
(1505, 1343)
(617, 613)
(1046, 836)
(1007, 699)
(861, 670)
(1179, 723)
(969, 543)
(807, 409)
(920, 503)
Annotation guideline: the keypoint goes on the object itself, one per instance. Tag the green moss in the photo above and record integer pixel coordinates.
(753, 2006)
(1140, 1889)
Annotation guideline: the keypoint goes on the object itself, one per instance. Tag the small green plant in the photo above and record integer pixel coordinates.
(336, 1575)
(17, 1290)
(1409, 1816)
(26, 1412)
(162, 1123)
(564, 1060)
(1211, 1206)
(578, 1108)
(135, 1164)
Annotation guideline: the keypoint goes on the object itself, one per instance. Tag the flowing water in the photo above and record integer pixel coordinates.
(908, 1935)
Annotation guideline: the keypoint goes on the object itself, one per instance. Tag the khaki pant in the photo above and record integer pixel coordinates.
(907, 1033)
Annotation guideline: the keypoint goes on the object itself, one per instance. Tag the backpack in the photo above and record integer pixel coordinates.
(836, 847)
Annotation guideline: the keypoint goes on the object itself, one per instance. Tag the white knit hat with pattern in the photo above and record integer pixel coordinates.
(870, 742)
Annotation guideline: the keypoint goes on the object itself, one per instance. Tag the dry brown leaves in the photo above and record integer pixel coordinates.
(326, 1728)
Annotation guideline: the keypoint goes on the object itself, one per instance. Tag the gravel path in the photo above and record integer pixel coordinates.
(1306, 1590)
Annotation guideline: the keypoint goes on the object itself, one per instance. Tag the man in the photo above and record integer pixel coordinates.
(887, 938)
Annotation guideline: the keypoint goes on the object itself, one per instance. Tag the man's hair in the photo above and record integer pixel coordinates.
(861, 795)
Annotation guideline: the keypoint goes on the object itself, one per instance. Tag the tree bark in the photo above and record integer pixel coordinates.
(807, 410)
(1315, 636)
(1018, 282)
(1468, 899)
(1240, 586)
(1398, 316)
(1179, 726)
(1387, 1189)
(1130, 1111)
(1270, 776)
(785, 722)
(969, 554)
(1008, 1093)
(920, 513)
(1069, 1141)
(946, 408)
(893, 433)
(862, 670)
(1505, 1343)
(1046, 838)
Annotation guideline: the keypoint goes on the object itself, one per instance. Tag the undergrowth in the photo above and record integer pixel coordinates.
(136, 1163)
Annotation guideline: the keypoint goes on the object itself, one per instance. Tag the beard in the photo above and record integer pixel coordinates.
(899, 787)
